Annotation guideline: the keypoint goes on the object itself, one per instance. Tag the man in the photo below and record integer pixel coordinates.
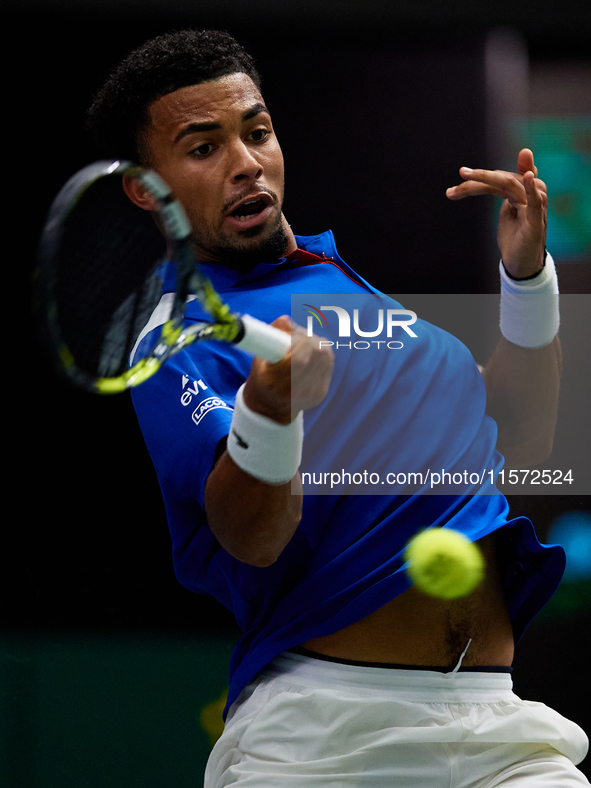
(346, 675)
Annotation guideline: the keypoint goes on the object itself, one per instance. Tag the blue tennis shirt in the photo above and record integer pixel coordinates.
(398, 404)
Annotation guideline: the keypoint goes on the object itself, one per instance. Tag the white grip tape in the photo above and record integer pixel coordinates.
(530, 315)
(263, 340)
(269, 451)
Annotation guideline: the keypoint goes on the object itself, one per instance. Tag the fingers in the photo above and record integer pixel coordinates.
(284, 323)
(525, 162)
(297, 382)
(536, 198)
(534, 188)
(507, 185)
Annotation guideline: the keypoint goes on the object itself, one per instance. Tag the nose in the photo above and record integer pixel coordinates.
(243, 164)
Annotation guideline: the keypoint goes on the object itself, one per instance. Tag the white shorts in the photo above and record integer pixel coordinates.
(308, 723)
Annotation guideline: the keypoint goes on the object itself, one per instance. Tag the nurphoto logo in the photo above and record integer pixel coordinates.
(393, 318)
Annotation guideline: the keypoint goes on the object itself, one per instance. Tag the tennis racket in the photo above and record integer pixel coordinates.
(99, 280)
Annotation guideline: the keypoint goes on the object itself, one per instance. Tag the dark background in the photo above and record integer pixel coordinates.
(377, 105)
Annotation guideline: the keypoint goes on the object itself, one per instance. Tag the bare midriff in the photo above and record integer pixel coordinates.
(417, 629)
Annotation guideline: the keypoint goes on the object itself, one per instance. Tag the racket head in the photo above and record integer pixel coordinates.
(98, 277)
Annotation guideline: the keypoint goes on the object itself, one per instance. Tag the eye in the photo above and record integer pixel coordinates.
(259, 135)
(203, 150)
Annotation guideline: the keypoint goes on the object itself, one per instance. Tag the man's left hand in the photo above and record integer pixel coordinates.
(522, 226)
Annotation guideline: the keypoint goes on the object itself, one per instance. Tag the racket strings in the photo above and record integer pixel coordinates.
(124, 327)
(105, 286)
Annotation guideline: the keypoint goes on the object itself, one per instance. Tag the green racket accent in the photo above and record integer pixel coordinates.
(227, 324)
(175, 340)
(143, 370)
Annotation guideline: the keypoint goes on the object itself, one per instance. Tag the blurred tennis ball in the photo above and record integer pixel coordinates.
(444, 563)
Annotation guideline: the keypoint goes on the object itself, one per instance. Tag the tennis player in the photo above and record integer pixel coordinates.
(345, 675)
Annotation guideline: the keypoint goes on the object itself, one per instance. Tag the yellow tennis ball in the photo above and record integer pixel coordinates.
(444, 563)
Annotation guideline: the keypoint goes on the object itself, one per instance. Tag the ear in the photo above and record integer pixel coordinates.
(137, 193)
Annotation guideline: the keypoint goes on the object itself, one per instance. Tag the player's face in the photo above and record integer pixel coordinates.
(214, 145)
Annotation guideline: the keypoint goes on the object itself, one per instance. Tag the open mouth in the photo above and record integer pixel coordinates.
(251, 211)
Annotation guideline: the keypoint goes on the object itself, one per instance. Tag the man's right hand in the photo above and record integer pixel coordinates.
(297, 382)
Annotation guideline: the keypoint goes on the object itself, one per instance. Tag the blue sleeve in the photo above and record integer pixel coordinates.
(183, 418)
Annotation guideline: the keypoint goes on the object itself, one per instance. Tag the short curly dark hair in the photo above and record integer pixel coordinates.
(119, 116)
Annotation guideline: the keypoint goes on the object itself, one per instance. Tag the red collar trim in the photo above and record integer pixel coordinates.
(301, 258)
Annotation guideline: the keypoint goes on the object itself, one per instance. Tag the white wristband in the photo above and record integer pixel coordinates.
(269, 451)
(530, 315)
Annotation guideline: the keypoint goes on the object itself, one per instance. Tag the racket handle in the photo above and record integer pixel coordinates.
(263, 340)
